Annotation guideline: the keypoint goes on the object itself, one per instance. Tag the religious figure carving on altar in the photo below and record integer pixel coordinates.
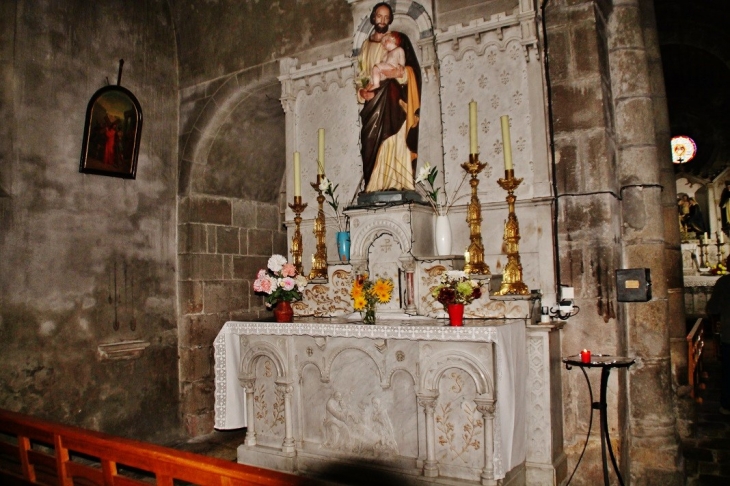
(390, 114)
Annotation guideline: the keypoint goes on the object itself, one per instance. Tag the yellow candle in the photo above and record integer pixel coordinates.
(504, 120)
(473, 147)
(297, 176)
(320, 156)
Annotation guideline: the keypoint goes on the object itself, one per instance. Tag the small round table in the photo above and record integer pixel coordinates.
(606, 363)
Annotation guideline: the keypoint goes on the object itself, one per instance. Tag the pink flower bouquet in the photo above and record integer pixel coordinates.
(279, 281)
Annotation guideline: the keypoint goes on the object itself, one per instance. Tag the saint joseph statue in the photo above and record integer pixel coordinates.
(390, 114)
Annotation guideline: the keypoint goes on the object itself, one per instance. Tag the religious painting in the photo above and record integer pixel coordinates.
(112, 133)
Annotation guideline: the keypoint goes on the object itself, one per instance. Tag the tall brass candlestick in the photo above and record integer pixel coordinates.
(296, 241)
(319, 262)
(512, 277)
(475, 264)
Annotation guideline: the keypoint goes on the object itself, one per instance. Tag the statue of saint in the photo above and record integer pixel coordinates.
(391, 110)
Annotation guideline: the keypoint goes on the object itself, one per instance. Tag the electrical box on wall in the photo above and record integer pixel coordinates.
(633, 285)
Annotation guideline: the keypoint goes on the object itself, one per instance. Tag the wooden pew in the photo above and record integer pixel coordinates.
(34, 451)
(695, 346)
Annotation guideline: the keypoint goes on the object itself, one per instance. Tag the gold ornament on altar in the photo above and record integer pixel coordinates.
(318, 273)
(475, 264)
(296, 242)
(512, 283)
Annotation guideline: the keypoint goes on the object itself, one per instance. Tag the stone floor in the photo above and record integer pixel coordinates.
(707, 452)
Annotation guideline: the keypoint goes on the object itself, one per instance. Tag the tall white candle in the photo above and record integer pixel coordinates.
(721, 237)
(473, 146)
(507, 142)
(320, 153)
(297, 176)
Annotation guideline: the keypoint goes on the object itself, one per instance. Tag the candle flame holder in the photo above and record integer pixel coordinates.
(512, 277)
(296, 242)
(475, 264)
(318, 273)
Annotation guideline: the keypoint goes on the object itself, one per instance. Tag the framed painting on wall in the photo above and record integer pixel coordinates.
(112, 133)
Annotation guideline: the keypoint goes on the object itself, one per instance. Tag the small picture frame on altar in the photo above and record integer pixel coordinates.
(112, 133)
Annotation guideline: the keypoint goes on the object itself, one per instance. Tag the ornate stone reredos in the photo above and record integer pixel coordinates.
(368, 225)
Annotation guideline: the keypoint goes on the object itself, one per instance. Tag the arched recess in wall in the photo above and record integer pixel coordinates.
(236, 148)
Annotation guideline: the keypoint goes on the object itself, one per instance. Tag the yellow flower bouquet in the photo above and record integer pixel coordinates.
(366, 294)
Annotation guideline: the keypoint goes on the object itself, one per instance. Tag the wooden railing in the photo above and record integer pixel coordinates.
(695, 346)
(34, 451)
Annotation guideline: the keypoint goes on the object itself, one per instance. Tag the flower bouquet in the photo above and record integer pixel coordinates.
(425, 185)
(329, 190)
(455, 291)
(280, 283)
(366, 294)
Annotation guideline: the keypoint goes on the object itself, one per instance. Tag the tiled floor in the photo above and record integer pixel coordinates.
(707, 453)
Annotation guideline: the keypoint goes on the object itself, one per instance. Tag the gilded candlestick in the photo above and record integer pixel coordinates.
(475, 264)
(319, 261)
(512, 277)
(296, 241)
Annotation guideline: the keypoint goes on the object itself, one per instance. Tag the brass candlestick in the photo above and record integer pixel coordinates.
(720, 249)
(512, 277)
(296, 241)
(475, 264)
(319, 262)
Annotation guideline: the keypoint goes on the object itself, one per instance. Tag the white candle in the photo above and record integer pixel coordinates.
(466, 256)
(473, 146)
(320, 156)
(297, 176)
(721, 237)
(504, 120)
(705, 238)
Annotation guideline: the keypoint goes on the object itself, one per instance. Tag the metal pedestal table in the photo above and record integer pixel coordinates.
(606, 363)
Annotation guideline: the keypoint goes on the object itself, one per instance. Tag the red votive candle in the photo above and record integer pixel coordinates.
(585, 356)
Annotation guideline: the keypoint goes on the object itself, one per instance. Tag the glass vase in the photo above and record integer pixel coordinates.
(368, 316)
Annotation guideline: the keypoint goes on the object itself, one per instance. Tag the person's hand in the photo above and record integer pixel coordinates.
(365, 94)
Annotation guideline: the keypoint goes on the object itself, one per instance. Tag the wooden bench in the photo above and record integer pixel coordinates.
(34, 451)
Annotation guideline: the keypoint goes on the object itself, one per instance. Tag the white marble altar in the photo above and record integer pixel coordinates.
(430, 400)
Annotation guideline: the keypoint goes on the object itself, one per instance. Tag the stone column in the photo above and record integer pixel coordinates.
(487, 408)
(249, 384)
(409, 267)
(286, 389)
(588, 205)
(430, 467)
(642, 147)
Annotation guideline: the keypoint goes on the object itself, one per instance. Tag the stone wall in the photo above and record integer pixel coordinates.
(232, 160)
(87, 259)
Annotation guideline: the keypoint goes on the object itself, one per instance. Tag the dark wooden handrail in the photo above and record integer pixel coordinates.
(34, 451)
(695, 346)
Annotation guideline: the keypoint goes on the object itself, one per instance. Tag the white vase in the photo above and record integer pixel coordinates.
(442, 235)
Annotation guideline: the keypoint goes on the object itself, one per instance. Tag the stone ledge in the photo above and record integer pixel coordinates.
(121, 350)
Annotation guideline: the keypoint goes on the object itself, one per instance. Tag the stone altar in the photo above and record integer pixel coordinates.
(426, 401)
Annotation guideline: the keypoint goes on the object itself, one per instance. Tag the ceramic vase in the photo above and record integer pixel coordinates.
(343, 246)
(442, 235)
(283, 312)
(456, 314)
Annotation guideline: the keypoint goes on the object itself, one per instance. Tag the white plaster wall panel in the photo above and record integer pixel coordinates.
(486, 62)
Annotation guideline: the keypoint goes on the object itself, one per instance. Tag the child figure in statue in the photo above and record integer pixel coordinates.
(393, 64)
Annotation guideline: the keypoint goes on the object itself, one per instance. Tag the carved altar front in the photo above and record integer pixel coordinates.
(420, 398)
